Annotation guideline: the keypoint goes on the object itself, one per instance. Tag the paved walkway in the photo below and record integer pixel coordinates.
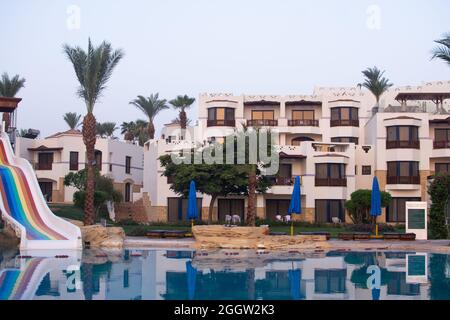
(418, 245)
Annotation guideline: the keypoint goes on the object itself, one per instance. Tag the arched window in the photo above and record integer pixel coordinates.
(298, 140)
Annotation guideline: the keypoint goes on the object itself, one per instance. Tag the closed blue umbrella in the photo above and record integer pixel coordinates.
(294, 281)
(295, 207)
(191, 274)
(192, 210)
(375, 203)
(375, 294)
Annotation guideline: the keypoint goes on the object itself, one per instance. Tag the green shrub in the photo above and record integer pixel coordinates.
(138, 231)
(127, 222)
(370, 228)
(439, 191)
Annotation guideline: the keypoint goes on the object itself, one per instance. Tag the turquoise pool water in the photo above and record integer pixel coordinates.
(183, 275)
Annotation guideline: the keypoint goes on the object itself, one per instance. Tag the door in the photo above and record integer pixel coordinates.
(231, 207)
(47, 189)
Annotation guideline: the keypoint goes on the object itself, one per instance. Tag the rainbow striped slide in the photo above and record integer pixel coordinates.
(22, 205)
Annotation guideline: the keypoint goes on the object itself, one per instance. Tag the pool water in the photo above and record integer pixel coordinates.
(187, 275)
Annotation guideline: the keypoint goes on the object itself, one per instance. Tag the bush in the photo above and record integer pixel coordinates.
(370, 228)
(138, 231)
(439, 192)
(127, 222)
(359, 205)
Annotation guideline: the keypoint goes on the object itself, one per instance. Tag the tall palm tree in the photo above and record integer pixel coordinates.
(141, 132)
(443, 50)
(182, 103)
(72, 119)
(9, 87)
(93, 68)
(150, 106)
(376, 83)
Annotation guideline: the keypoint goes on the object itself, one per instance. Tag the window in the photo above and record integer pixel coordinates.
(328, 209)
(262, 115)
(344, 116)
(276, 207)
(442, 168)
(403, 172)
(330, 174)
(297, 141)
(45, 161)
(98, 160)
(402, 137)
(221, 117)
(354, 140)
(177, 209)
(441, 138)
(127, 164)
(397, 285)
(366, 170)
(230, 207)
(396, 211)
(127, 192)
(284, 176)
(73, 161)
(302, 114)
(47, 190)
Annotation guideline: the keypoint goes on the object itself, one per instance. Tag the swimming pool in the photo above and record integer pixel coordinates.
(229, 275)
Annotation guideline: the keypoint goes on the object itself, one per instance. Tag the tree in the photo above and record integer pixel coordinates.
(376, 83)
(106, 129)
(182, 103)
(442, 51)
(104, 188)
(359, 205)
(213, 179)
(150, 106)
(135, 131)
(9, 87)
(439, 191)
(93, 68)
(72, 119)
(128, 129)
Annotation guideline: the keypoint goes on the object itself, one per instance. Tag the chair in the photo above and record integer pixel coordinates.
(227, 219)
(278, 218)
(236, 219)
(287, 218)
(336, 220)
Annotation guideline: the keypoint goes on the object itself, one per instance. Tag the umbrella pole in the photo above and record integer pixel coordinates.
(292, 228)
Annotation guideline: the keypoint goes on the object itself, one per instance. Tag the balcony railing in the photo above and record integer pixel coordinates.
(403, 180)
(331, 182)
(303, 123)
(42, 166)
(398, 144)
(262, 123)
(441, 144)
(221, 123)
(344, 123)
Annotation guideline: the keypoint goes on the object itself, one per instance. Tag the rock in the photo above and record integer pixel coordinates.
(103, 237)
(8, 238)
(253, 238)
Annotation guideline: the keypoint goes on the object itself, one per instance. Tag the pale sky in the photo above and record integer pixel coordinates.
(188, 47)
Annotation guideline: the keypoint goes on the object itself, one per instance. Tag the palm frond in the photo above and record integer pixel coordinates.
(150, 106)
(72, 119)
(182, 102)
(9, 87)
(375, 82)
(443, 50)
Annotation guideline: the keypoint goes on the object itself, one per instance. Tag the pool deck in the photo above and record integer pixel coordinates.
(441, 246)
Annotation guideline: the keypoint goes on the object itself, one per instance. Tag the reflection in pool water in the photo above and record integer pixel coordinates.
(184, 275)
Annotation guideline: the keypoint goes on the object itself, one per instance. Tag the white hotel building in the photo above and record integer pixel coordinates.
(332, 139)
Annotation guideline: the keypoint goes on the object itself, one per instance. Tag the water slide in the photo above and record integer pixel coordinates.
(23, 206)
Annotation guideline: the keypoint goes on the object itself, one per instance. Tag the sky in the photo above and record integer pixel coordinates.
(189, 47)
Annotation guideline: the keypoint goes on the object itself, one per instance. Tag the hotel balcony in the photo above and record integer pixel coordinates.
(441, 145)
(303, 123)
(330, 182)
(344, 123)
(412, 144)
(262, 123)
(403, 180)
(221, 123)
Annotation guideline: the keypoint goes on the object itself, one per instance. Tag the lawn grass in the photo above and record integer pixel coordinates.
(71, 212)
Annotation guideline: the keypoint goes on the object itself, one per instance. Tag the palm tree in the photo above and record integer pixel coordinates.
(72, 119)
(141, 131)
(182, 103)
(150, 106)
(93, 68)
(443, 50)
(376, 83)
(108, 129)
(128, 129)
(9, 87)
